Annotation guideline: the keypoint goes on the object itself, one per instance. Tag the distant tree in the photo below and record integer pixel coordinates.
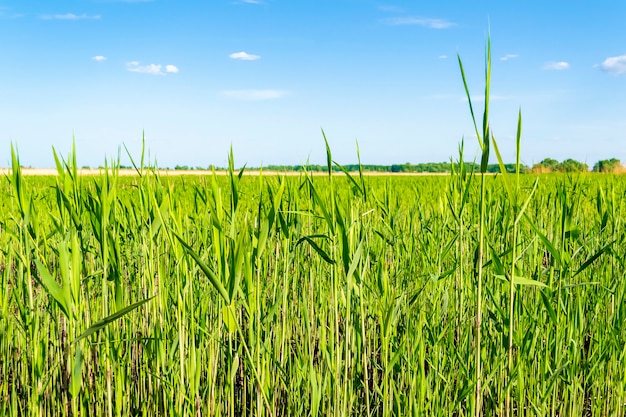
(547, 165)
(608, 165)
(551, 164)
(571, 165)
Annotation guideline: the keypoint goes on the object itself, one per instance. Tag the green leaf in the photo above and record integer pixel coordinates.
(320, 204)
(556, 254)
(593, 258)
(505, 176)
(523, 281)
(469, 101)
(214, 279)
(446, 274)
(110, 319)
(499, 266)
(76, 382)
(229, 319)
(54, 289)
(355, 260)
(363, 189)
(317, 249)
(329, 157)
(527, 201)
(355, 184)
(236, 267)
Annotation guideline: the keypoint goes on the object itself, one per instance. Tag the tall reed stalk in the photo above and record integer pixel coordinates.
(484, 139)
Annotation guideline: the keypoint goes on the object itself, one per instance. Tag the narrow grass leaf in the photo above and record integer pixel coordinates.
(208, 272)
(503, 171)
(524, 281)
(76, 382)
(329, 157)
(54, 289)
(110, 319)
(317, 248)
(548, 305)
(551, 248)
(593, 257)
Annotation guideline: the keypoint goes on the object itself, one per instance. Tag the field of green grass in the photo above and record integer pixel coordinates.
(305, 295)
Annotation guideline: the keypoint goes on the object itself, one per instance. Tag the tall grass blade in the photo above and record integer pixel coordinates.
(110, 319)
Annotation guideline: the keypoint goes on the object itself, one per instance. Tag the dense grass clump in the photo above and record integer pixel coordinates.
(336, 295)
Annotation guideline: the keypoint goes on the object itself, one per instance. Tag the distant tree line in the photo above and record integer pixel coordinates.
(571, 165)
(547, 165)
(429, 167)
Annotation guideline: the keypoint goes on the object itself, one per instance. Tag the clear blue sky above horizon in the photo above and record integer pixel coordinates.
(267, 75)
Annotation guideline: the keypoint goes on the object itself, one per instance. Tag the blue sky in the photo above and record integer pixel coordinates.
(267, 75)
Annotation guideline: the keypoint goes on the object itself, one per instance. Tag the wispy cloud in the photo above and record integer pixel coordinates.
(615, 65)
(509, 56)
(556, 66)
(255, 95)
(252, 1)
(70, 16)
(172, 69)
(99, 58)
(244, 56)
(419, 21)
(154, 69)
(135, 66)
(443, 57)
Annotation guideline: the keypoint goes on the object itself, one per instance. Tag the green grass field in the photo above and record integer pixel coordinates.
(310, 295)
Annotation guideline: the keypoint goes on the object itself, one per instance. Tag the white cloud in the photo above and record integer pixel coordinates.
(443, 57)
(615, 65)
(509, 56)
(99, 58)
(70, 16)
(556, 66)
(244, 56)
(154, 69)
(252, 1)
(255, 95)
(426, 22)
